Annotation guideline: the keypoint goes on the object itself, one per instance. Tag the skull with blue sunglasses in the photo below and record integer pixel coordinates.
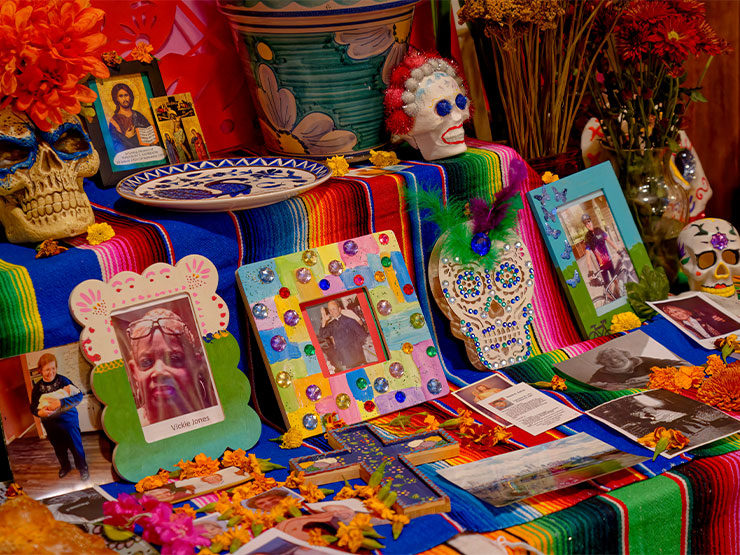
(41, 194)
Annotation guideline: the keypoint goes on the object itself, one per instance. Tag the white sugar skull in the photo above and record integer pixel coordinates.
(435, 98)
(41, 194)
(709, 252)
(490, 310)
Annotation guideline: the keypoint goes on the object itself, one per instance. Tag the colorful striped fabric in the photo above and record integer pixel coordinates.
(615, 513)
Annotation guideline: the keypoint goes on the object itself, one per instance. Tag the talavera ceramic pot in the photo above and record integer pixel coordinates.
(317, 70)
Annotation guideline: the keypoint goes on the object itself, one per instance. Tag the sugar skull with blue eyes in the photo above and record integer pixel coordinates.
(428, 105)
(41, 194)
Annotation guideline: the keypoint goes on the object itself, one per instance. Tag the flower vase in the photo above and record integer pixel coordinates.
(318, 69)
(659, 203)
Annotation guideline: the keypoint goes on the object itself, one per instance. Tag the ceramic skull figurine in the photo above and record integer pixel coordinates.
(428, 105)
(709, 252)
(41, 194)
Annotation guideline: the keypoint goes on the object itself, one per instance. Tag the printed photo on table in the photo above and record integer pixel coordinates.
(622, 363)
(180, 490)
(638, 415)
(167, 367)
(179, 128)
(51, 422)
(268, 500)
(698, 316)
(554, 465)
(82, 506)
(598, 248)
(474, 394)
(345, 332)
(277, 542)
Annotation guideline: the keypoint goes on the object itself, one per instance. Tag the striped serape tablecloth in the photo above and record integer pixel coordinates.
(685, 505)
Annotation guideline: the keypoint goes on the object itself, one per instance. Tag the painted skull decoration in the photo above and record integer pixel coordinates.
(491, 310)
(428, 104)
(41, 194)
(709, 252)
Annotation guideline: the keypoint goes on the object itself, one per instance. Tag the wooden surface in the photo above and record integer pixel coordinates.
(714, 127)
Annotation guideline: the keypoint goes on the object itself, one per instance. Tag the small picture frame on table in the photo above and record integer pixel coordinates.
(593, 243)
(123, 130)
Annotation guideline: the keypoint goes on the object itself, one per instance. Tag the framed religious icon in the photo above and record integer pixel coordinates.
(123, 130)
(179, 128)
(342, 332)
(165, 367)
(593, 243)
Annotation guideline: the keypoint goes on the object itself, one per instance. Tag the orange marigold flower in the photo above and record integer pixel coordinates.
(350, 537)
(558, 383)
(714, 364)
(46, 50)
(186, 510)
(431, 423)
(662, 378)
(295, 479)
(142, 52)
(153, 482)
(316, 537)
(676, 440)
(378, 508)
(346, 492)
(689, 377)
(49, 248)
(333, 422)
(311, 492)
(500, 434)
(203, 465)
(722, 389)
(236, 458)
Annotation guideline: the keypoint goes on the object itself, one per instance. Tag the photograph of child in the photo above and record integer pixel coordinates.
(166, 366)
(697, 317)
(268, 500)
(598, 248)
(474, 394)
(342, 331)
(622, 363)
(638, 415)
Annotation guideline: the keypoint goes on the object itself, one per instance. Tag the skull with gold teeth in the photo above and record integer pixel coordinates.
(41, 193)
(709, 252)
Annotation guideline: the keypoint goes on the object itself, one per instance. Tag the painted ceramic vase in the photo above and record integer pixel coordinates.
(317, 70)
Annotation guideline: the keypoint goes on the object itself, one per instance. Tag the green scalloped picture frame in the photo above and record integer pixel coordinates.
(93, 302)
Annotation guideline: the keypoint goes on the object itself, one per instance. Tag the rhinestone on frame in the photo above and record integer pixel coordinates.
(343, 401)
(260, 311)
(384, 307)
(369, 406)
(303, 275)
(336, 268)
(310, 257)
(350, 248)
(310, 350)
(313, 392)
(379, 276)
(383, 239)
(417, 320)
(381, 385)
(266, 275)
(396, 369)
(291, 318)
(434, 386)
(310, 421)
(407, 348)
(359, 280)
(361, 383)
(400, 396)
(283, 379)
(278, 343)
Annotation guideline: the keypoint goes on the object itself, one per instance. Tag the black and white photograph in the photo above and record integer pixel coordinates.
(622, 363)
(639, 414)
(699, 317)
(474, 394)
(82, 506)
(276, 542)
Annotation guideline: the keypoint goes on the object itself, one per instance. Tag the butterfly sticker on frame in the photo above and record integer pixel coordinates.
(549, 216)
(575, 280)
(554, 233)
(567, 252)
(543, 198)
(559, 195)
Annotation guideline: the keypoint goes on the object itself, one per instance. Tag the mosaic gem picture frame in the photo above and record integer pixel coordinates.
(312, 311)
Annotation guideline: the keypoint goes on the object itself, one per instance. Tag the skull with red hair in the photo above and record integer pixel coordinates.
(427, 104)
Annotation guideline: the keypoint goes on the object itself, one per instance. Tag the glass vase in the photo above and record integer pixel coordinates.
(659, 203)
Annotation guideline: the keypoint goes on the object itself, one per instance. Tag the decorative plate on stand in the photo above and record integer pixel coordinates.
(221, 185)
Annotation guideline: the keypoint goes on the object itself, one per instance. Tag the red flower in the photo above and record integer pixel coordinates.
(710, 42)
(644, 13)
(674, 39)
(46, 49)
(632, 42)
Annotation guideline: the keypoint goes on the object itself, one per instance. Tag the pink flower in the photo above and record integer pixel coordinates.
(121, 512)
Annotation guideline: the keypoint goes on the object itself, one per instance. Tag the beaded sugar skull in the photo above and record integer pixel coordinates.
(709, 252)
(491, 310)
(41, 194)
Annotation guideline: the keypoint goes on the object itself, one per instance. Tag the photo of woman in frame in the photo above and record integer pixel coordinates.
(167, 367)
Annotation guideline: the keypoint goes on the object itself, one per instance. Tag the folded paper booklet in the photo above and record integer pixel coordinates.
(622, 363)
(514, 476)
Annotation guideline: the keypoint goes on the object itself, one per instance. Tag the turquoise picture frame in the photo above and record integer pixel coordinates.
(593, 243)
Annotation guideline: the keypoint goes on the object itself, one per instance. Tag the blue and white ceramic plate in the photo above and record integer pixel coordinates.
(221, 185)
